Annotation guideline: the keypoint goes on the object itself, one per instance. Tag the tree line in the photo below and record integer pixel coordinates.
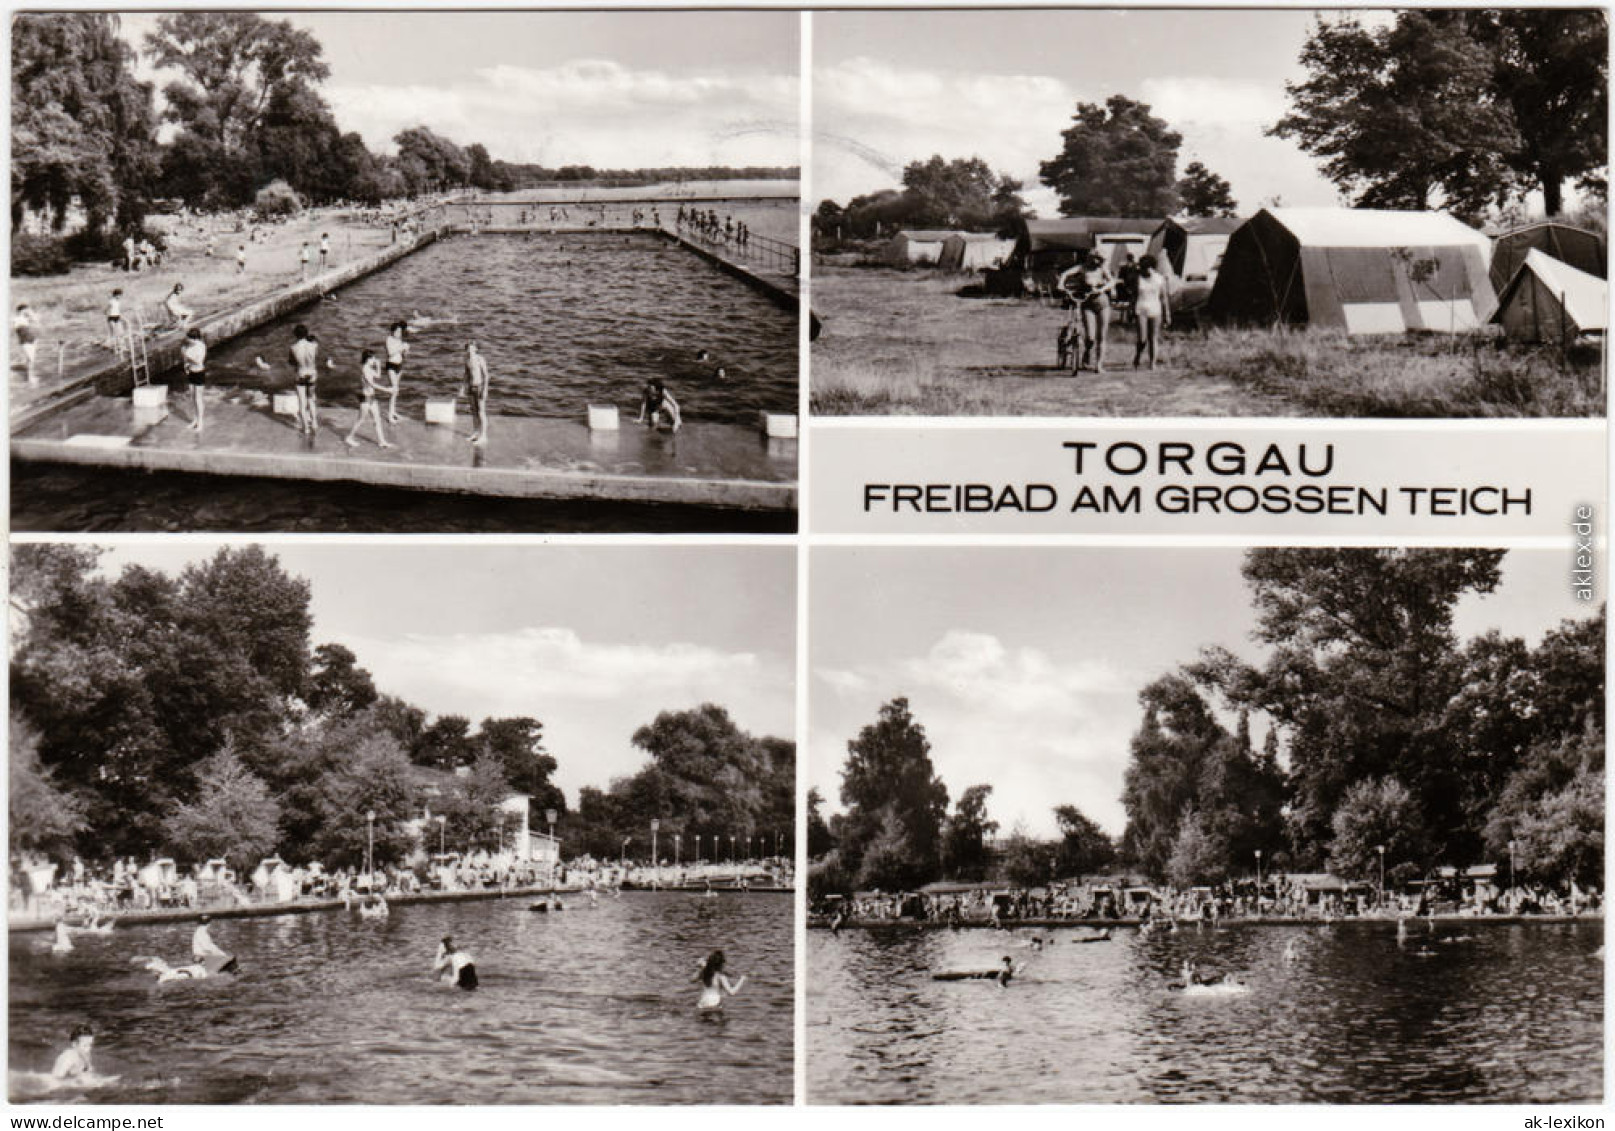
(192, 715)
(896, 833)
(1389, 742)
(244, 112)
(1461, 110)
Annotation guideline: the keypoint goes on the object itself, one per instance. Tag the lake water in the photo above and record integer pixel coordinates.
(565, 321)
(586, 1006)
(1514, 1014)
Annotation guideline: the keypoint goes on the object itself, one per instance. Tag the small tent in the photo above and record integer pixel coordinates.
(1361, 270)
(910, 247)
(974, 251)
(1550, 301)
(1578, 247)
(1191, 250)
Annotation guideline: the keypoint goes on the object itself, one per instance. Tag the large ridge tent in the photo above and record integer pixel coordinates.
(974, 251)
(916, 247)
(1191, 250)
(1578, 247)
(1360, 270)
(1550, 301)
(1044, 248)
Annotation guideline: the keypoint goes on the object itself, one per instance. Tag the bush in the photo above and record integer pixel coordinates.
(39, 255)
(277, 199)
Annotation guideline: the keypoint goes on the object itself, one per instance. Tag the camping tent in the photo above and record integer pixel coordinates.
(1550, 301)
(1361, 270)
(915, 247)
(1192, 249)
(1044, 248)
(1578, 247)
(973, 251)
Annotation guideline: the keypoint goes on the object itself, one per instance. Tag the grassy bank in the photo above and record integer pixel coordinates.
(905, 343)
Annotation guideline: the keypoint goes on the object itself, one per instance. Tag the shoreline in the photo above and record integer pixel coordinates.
(19, 925)
(817, 923)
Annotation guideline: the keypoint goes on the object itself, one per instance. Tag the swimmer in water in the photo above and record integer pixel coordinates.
(1006, 973)
(75, 1060)
(64, 940)
(715, 983)
(454, 966)
(1292, 950)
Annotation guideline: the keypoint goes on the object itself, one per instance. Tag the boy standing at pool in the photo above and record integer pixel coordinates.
(193, 373)
(114, 317)
(656, 401)
(325, 250)
(476, 388)
(305, 356)
(302, 261)
(396, 349)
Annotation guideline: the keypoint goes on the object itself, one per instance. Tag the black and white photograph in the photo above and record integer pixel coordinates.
(283, 832)
(1264, 826)
(409, 271)
(1203, 212)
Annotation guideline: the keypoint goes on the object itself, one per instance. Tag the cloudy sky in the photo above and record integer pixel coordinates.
(894, 87)
(1024, 665)
(614, 90)
(593, 641)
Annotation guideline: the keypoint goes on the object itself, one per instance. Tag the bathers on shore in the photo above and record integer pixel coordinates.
(467, 979)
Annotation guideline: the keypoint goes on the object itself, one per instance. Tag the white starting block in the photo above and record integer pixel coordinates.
(151, 396)
(603, 418)
(94, 440)
(779, 425)
(440, 412)
(284, 404)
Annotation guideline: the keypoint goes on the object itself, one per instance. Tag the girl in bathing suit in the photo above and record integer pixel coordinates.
(714, 983)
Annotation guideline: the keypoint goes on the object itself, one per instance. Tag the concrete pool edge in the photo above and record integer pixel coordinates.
(816, 923)
(114, 378)
(510, 483)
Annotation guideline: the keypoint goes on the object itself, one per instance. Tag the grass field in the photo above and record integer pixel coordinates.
(903, 342)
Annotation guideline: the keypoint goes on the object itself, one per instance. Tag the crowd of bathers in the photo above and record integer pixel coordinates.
(708, 225)
(1280, 897)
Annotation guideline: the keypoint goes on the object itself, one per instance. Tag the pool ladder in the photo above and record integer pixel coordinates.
(133, 345)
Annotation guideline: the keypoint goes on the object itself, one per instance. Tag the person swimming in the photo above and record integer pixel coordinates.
(714, 983)
(194, 971)
(1005, 973)
(454, 966)
(1292, 950)
(64, 938)
(75, 1060)
(657, 402)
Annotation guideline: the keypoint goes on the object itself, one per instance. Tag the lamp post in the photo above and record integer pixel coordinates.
(1513, 897)
(731, 848)
(1380, 848)
(656, 860)
(698, 848)
(748, 848)
(678, 850)
(555, 845)
(370, 848)
(624, 860)
(1258, 881)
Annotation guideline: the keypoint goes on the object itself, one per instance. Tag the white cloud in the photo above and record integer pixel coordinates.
(1040, 730)
(592, 111)
(870, 118)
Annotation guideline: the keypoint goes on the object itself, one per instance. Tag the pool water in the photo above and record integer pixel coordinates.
(591, 1005)
(1508, 1014)
(564, 320)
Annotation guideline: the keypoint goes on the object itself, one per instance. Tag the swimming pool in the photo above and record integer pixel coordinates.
(586, 1006)
(565, 321)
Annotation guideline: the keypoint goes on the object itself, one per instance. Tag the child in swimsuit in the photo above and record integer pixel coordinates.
(476, 388)
(193, 372)
(114, 317)
(305, 356)
(656, 401)
(370, 378)
(396, 349)
(714, 983)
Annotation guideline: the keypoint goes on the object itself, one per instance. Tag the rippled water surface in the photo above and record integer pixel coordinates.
(565, 321)
(586, 1006)
(1513, 1014)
